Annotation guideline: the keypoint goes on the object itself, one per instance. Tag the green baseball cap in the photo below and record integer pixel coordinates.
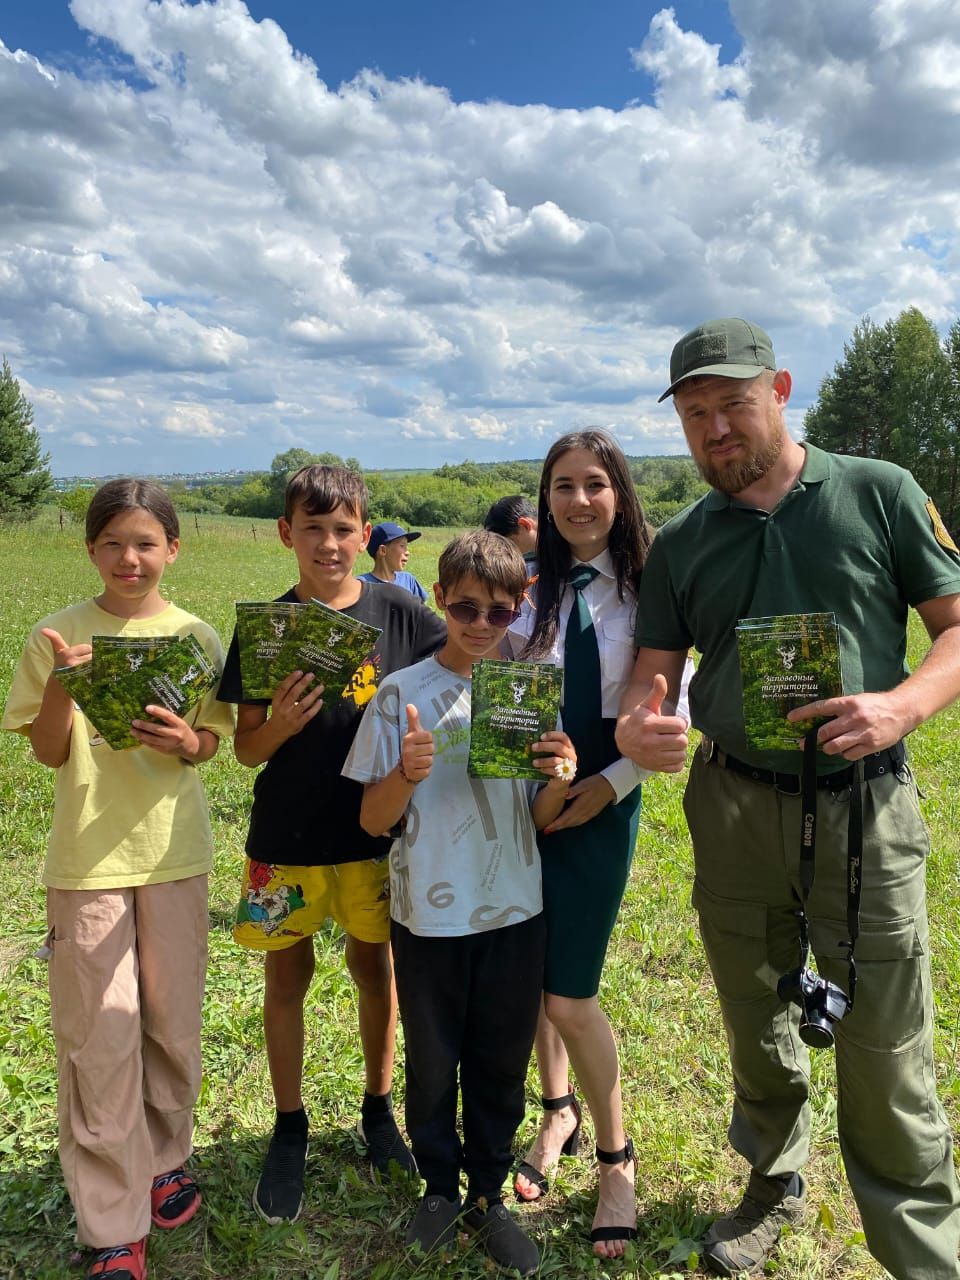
(730, 348)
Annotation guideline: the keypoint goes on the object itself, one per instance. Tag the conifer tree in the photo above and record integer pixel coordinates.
(894, 396)
(24, 477)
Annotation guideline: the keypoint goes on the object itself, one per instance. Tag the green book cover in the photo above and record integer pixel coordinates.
(785, 662)
(98, 704)
(116, 657)
(177, 678)
(329, 643)
(512, 704)
(262, 628)
(78, 682)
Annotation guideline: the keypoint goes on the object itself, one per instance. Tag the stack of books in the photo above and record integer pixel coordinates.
(278, 637)
(126, 674)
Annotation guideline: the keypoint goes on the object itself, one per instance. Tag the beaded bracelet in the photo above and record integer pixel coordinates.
(403, 774)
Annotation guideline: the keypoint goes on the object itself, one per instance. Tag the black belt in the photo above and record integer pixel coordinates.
(876, 765)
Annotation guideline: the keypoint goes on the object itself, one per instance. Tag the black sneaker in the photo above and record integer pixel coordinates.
(503, 1238)
(744, 1239)
(385, 1145)
(278, 1196)
(434, 1224)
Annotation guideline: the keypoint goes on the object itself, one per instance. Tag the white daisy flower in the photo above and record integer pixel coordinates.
(565, 769)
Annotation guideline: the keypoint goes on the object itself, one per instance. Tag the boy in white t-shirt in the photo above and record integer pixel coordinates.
(466, 907)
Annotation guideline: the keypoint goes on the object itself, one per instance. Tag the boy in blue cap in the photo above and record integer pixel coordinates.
(389, 546)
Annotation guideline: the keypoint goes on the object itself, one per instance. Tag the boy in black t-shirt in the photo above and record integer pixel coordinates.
(307, 856)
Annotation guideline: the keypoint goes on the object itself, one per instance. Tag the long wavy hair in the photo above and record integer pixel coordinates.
(628, 545)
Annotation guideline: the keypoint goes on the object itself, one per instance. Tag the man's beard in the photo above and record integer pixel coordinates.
(740, 474)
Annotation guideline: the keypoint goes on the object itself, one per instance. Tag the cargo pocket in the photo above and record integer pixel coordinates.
(735, 939)
(66, 996)
(889, 1010)
(889, 1117)
(99, 1043)
(761, 1028)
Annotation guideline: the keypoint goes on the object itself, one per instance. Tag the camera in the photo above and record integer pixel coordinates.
(821, 1004)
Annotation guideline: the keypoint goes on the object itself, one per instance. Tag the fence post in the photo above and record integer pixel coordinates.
(253, 530)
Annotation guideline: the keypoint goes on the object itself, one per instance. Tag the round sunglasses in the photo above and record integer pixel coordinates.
(499, 616)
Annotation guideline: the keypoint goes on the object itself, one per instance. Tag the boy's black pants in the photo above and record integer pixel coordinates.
(470, 1001)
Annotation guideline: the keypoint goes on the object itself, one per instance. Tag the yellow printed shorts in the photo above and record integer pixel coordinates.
(280, 905)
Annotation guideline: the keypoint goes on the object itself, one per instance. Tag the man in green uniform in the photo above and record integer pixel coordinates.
(789, 529)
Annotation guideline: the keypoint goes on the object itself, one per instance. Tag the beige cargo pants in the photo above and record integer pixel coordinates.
(126, 986)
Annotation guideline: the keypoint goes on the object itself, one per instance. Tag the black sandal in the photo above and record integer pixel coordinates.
(625, 1155)
(536, 1177)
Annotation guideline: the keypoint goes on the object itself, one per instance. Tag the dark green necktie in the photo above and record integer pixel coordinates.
(582, 706)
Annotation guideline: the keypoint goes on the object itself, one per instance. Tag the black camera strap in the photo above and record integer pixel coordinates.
(808, 847)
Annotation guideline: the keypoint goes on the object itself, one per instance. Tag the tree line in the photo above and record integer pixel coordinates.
(895, 395)
(452, 495)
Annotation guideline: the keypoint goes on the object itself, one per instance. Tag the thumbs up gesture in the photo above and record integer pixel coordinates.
(653, 740)
(654, 699)
(416, 749)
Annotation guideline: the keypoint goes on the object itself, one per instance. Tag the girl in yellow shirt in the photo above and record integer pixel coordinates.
(126, 875)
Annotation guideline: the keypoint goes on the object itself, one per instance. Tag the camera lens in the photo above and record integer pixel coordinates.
(818, 1034)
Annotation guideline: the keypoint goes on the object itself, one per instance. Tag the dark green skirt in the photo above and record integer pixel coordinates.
(585, 872)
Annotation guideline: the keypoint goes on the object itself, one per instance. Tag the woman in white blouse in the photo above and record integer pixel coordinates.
(591, 545)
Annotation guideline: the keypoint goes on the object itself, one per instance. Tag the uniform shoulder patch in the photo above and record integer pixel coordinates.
(940, 531)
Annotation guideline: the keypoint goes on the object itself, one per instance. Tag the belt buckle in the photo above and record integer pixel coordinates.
(708, 748)
(779, 780)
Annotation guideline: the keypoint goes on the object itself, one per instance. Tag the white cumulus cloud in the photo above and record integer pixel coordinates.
(221, 255)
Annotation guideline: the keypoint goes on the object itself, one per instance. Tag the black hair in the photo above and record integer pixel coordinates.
(628, 544)
(505, 514)
(117, 496)
(320, 489)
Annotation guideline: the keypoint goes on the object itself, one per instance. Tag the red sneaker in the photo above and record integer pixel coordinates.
(174, 1199)
(122, 1262)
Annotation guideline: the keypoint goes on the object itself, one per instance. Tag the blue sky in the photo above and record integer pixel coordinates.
(422, 232)
(568, 53)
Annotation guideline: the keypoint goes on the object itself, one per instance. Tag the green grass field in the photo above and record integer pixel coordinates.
(656, 991)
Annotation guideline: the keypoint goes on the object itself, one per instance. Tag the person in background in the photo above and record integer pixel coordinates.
(390, 547)
(787, 528)
(515, 517)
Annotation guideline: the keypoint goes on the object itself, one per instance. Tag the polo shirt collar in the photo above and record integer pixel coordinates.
(816, 469)
(817, 466)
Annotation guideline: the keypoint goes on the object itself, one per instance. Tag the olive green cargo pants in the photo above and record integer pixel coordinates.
(894, 1136)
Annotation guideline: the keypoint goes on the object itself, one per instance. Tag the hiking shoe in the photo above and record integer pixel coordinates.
(278, 1196)
(122, 1262)
(503, 1238)
(174, 1199)
(434, 1224)
(385, 1145)
(743, 1240)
